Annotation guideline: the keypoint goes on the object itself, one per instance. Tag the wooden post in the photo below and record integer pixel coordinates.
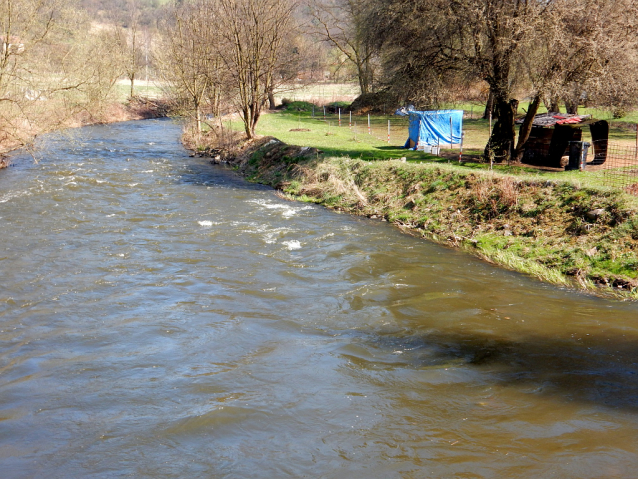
(461, 152)
(324, 113)
(388, 132)
(370, 129)
(451, 135)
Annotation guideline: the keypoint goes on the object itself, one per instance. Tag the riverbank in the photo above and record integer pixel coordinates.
(557, 231)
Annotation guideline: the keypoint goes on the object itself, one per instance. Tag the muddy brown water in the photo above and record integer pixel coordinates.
(162, 318)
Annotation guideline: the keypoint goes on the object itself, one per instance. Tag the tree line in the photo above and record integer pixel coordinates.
(427, 51)
(215, 56)
(424, 52)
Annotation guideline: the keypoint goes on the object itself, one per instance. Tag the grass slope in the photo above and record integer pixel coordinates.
(559, 231)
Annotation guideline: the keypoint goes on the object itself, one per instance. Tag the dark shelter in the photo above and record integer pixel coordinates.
(553, 134)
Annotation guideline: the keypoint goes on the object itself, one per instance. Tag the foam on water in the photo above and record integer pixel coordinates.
(288, 211)
(292, 245)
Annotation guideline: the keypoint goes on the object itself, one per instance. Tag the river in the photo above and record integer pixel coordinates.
(162, 318)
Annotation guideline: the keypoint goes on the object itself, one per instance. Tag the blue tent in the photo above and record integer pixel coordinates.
(435, 127)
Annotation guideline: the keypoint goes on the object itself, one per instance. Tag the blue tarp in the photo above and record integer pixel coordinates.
(434, 128)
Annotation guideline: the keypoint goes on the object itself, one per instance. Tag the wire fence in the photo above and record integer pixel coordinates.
(616, 164)
(392, 130)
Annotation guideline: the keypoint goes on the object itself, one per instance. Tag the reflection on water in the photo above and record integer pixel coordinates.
(159, 317)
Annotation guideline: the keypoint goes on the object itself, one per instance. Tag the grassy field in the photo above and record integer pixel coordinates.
(122, 89)
(301, 128)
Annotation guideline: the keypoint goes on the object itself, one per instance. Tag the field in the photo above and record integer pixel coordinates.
(354, 141)
(148, 89)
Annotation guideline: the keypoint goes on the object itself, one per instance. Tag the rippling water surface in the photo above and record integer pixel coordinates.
(162, 318)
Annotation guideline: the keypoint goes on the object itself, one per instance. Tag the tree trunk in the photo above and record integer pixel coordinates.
(247, 128)
(553, 105)
(363, 79)
(526, 128)
(571, 106)
(501, 144)
(364, 71)
(272, 105)
(489, 106)
(132, 77)
(198, 118)
(253, 127)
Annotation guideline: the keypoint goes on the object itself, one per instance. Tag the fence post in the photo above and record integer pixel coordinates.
(370, 129)
(388, 132)
(451, 135)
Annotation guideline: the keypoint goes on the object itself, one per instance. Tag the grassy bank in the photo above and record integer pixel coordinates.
(559, 231)
(566, 228)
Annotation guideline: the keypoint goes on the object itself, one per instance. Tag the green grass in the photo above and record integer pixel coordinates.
(542, 228)
(356, 143)
(330, 138)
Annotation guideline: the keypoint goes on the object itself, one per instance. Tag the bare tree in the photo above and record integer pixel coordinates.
(48, 60)
(586, 48)
(130, 41)
(253, 49)
(554, 44)
(187, 55)
(342, 23)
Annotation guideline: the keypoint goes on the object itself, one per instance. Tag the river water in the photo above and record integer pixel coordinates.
(162, 318)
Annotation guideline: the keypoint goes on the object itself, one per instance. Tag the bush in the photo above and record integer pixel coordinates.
(290, 105)
(379, 102)
(335, 105)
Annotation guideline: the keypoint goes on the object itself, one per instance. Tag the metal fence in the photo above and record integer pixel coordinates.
(619, 168)
(392, 130)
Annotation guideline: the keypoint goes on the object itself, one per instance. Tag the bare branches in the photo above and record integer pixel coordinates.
(232, 50)
(51, 66)
(343, 24)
